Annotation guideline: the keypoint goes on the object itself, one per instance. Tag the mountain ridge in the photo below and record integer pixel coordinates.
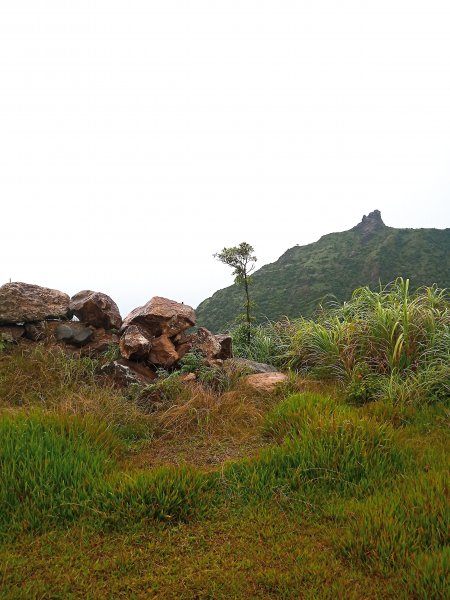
(369, 253)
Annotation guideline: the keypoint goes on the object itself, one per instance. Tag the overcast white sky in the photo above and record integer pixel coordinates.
(138, 138)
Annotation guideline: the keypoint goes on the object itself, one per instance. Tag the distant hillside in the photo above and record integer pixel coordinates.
(338, 263)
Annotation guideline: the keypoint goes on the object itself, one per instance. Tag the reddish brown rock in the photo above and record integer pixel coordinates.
(161, 316)
(183, 349)
(162, 352)
(11, 333)
(96, 309)
(188, 377)
(265, 382)
(24, 302)
(133, 344)
(206, 343)
(226, 346)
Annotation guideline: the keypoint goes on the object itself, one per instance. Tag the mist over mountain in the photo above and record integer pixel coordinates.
(304, 276)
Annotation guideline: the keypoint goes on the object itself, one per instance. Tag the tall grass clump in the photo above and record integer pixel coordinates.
(389, 343)
(269, 342)
(51, 467)
(171, 494)
(321, 446)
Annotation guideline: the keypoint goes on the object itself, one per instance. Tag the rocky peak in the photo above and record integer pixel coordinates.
(370, 223)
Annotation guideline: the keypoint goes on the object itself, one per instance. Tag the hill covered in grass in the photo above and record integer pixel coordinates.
(305, 276)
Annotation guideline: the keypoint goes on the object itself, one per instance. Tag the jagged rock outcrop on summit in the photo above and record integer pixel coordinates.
(370, 224)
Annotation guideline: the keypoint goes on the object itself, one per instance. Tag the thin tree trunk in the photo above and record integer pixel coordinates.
(247, 308)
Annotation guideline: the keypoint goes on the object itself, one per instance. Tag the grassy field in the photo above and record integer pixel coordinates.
(212, 491)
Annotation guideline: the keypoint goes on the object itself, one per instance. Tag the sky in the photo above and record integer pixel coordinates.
(138, 138)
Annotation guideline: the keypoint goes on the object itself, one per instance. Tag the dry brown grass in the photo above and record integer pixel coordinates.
(38, 375)
(181, 423)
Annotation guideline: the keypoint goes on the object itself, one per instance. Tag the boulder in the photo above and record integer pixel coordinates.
(183, 349)
(163, 352)
(265, 382)
(161, 316)
(96, 309)
(11, 333)
(209, 345)
(24, 302)
(226, 346)
(76, 334)
(206, 343)
(133, 343)
(124, 372)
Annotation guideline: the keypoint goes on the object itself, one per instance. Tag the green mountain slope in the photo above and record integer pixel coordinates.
(338, 263)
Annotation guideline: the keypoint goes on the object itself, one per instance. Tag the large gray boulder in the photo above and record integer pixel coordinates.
(96, 309)
(75, 334)
(25, 302)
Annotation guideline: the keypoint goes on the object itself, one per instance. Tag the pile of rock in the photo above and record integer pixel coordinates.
(151, 336)
(38, 313)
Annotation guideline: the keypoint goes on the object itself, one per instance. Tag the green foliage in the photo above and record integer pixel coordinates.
(55, 470)
(269, 343)
(191, 362)
(364, 386)
(305, 276)
(334, 499)
(387, 344)
(428, 577)
(241, 259)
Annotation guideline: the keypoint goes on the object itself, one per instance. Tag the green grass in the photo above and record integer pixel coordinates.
(50, 468)
(337, 500)
(323, 446)
(391, 344)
